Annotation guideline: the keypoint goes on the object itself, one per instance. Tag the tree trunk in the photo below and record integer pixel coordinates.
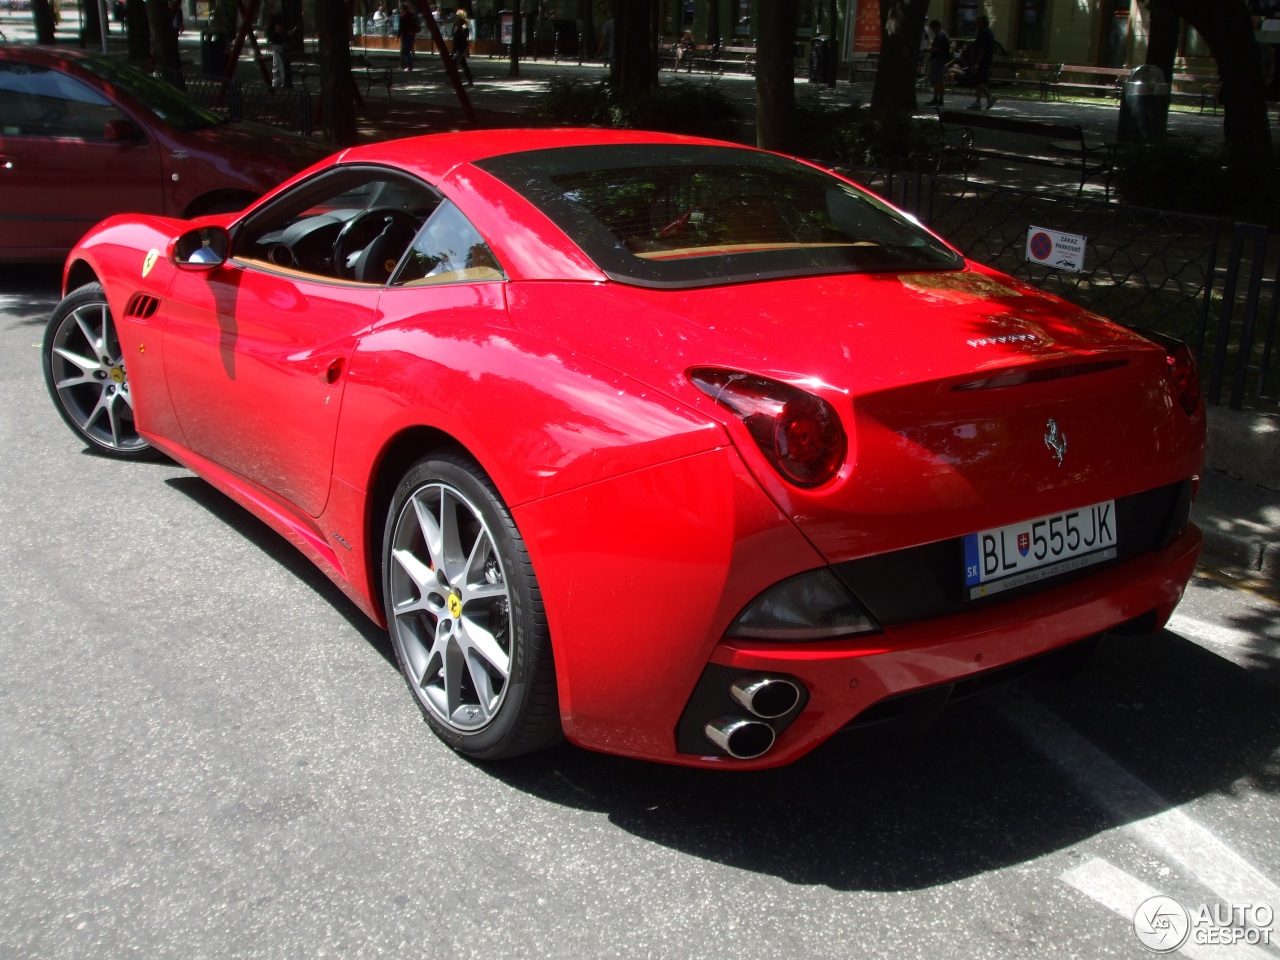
(337, 89)
(1228, 30)
(588, 40)
(893, 98)
(164, 43)
(637, 60)
(713, 21)
(517, 37)
(776, 75)
(1162, 39)
(135, 16)
(91, 29)
(42, 13)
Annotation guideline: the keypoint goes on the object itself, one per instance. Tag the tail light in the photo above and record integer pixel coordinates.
(1185, 374)
(1184, 371)
(798, 432)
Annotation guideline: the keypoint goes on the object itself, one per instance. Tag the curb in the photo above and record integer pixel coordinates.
(1238, 508)
(1245, 445)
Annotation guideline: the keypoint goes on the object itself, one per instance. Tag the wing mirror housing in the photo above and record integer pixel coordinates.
(121, 130)
(201, 248)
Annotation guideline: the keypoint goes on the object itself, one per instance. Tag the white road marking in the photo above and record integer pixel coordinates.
(1157, 823)
(1122, 894)
(1238, 646)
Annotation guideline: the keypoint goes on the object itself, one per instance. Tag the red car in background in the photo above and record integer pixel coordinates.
(83, 137)
(687, 451)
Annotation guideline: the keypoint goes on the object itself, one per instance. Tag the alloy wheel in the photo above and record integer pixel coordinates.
(88, 378)
(451, 604)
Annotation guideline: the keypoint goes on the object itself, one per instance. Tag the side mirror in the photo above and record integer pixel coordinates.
(201, 248)
(121, 130)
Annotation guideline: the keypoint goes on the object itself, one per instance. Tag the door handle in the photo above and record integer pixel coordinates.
(332, 372)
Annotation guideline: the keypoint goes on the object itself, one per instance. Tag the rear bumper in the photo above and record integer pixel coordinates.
(845, 679)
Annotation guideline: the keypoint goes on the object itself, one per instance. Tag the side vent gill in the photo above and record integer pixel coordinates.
(141, 307)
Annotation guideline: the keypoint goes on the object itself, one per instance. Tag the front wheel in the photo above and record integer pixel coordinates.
(85, 371)
(465, 612)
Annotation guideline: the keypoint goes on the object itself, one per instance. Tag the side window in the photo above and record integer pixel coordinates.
(353, 224)
(38, 102)
(448, 250)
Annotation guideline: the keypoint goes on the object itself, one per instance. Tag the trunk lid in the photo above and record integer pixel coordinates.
(970, 400)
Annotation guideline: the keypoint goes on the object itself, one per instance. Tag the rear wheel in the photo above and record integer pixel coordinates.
(465, 612)
(85, 371)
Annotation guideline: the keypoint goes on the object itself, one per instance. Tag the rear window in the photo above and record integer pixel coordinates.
(686, 215)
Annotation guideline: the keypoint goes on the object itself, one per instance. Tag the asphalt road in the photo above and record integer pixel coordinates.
(206, 751)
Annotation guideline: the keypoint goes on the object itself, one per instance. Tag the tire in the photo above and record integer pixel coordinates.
(465, 613)
(84, 370)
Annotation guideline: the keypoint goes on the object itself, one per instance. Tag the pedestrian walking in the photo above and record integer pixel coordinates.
(407, 31)
(462, 44)
(984, 46)
(278, 40)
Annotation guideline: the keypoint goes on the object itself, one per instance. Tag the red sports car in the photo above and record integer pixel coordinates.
(678, 449)
(83, 137)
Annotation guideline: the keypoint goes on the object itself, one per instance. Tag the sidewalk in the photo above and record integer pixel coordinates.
(1238, 507)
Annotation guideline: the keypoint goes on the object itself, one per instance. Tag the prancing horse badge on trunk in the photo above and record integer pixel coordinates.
(1055, 441)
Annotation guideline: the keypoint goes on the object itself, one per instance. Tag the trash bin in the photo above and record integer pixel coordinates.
(822, 61)
(1144, 105)
(213, 54)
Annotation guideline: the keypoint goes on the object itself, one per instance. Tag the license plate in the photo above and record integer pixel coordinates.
(1021, 553)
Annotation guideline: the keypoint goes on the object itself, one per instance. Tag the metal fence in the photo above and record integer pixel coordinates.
(239, 100)
(1209, 282)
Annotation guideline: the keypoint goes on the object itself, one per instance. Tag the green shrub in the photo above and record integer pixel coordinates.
(850, 134)
(1190, 176)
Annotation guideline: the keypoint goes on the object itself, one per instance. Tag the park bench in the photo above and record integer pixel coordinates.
(379, 70)
(1067, 148)
(1109, 81)
(701, 58)
(862, 69)
(734, 56)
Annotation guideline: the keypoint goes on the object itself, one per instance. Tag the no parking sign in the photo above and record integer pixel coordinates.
(1063, 251)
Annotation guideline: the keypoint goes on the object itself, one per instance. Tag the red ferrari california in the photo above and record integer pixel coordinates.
(676, 449)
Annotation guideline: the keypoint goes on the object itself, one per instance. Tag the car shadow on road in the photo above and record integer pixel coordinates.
(284, 553)
(29, 292)
(889, 812)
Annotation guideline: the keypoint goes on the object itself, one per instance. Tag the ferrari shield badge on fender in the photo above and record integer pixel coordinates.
(150, 261)
(1055, 441)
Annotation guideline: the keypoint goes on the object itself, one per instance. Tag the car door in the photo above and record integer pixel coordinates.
(59, 171)
(255, 352)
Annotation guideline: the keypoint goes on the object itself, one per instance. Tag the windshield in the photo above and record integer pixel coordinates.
(687, 215)
(166, 102)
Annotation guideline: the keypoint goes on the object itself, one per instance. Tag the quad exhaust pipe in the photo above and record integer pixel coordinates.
(766, 697)
(739, 737)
